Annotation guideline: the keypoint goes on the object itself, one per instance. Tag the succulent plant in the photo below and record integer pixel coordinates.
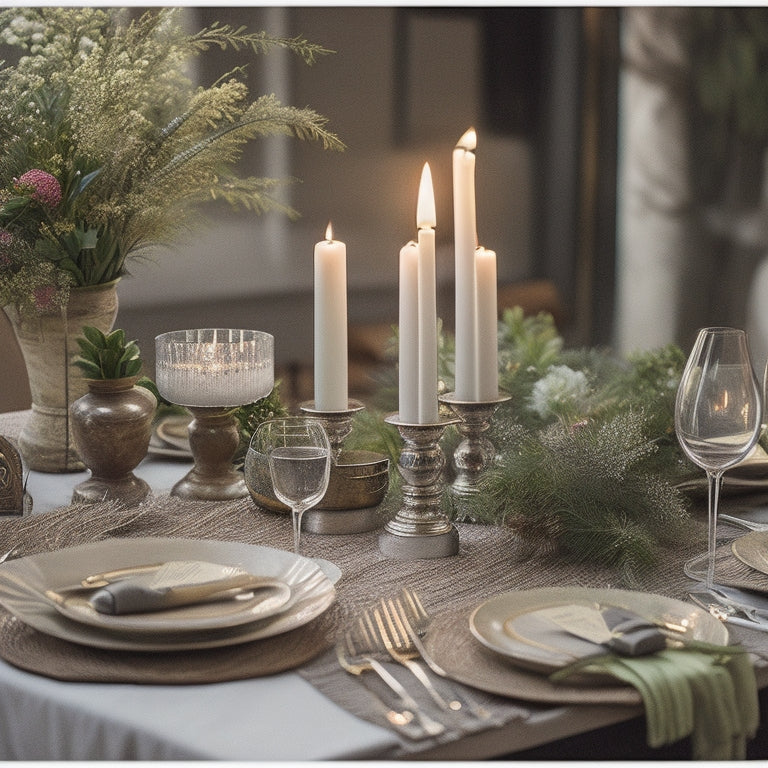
(107, 356)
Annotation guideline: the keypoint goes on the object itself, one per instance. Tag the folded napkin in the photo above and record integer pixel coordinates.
(176, 583)
(707, 692)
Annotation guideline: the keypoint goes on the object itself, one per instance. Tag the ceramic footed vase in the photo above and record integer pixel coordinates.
(47, 342)
(111, 428)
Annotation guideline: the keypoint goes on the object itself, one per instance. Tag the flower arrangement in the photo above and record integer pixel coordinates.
(109, 147)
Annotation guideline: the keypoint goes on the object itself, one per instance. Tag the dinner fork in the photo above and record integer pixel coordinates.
(398, 647)
(750, 525)
(413, 617)
(357, 663)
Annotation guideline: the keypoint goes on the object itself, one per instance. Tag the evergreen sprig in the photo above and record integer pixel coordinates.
(585, 491)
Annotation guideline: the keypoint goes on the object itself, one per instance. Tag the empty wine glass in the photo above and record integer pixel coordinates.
(718, 413)
(298, 454)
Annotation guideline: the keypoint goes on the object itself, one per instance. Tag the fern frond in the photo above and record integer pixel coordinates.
(225, 36)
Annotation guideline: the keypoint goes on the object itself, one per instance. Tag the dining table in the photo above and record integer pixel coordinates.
(286, 698)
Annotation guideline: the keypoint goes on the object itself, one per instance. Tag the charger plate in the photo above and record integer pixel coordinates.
(23, 583)
(506, 623)
(752, 550)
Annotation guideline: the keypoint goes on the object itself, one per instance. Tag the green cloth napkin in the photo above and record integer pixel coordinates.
(707, 692)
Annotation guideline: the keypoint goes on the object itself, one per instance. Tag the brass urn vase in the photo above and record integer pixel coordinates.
(111, 428)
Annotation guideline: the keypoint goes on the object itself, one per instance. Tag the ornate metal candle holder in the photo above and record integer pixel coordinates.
(358, 483)
(338, 424)
(475, 451)
(420, 529)
(211, 371)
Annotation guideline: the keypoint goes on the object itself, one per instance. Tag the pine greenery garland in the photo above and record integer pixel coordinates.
(587, 458)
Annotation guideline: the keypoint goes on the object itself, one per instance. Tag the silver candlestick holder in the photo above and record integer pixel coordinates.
(338, 424)
(359, 479)
(474, 452)
(420, 529)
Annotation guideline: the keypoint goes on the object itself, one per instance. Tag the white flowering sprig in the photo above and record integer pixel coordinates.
(101, 101)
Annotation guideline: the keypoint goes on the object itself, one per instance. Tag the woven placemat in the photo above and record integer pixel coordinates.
(42, 654)
(76, 524)
(451, 643)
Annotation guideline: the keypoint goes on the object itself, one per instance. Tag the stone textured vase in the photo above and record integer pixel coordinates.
(111, 428)
(48, 345)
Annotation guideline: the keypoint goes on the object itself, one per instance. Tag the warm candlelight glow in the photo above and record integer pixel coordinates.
(329, 232)
(465, 243)
(468, 141)
(425, 209)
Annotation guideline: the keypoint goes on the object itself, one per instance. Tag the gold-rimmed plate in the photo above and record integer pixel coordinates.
(507, 623)
(23, 583)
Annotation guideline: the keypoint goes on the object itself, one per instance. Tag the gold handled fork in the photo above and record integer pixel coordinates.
(356, 663)
(395, 642)
(415, 619)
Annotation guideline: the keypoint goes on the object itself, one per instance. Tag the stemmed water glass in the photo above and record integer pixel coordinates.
(718, 413)
(298, 453)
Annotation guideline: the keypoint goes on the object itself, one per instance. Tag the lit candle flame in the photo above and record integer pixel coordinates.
(722, 405)
(468, 141)
(329, 232)
(425, 209)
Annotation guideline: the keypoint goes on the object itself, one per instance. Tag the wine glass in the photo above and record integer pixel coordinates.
(298, 453)
(718, 413)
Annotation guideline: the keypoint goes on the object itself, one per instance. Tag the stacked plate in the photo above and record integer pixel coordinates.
(170, 438)
(31, 588)
(520, 627)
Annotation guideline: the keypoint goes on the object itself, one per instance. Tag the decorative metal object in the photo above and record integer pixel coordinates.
(211, 371)
(111, 429)
(475, 451)
(420, 529)
(338, 424)
(14, 500)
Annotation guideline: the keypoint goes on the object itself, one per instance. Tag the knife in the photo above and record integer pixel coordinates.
(102, 579)
(752, 602)
(727, 612)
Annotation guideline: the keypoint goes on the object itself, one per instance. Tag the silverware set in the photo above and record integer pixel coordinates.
(729, 604)
(389, 632)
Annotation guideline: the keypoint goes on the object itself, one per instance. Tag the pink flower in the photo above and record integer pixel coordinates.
(44, 187)
(44, 296)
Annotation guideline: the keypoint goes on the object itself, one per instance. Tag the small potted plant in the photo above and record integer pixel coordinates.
(112, 422)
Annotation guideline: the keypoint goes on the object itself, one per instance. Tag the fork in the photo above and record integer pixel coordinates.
(356, 663)
(750, 525)
(404, 653)
(415, 619)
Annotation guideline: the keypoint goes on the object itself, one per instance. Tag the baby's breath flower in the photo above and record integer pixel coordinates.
(107, 146)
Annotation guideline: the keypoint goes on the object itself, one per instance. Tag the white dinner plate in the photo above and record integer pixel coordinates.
(752, 550)
(503, 623)
(240, 609)
(23, 583)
